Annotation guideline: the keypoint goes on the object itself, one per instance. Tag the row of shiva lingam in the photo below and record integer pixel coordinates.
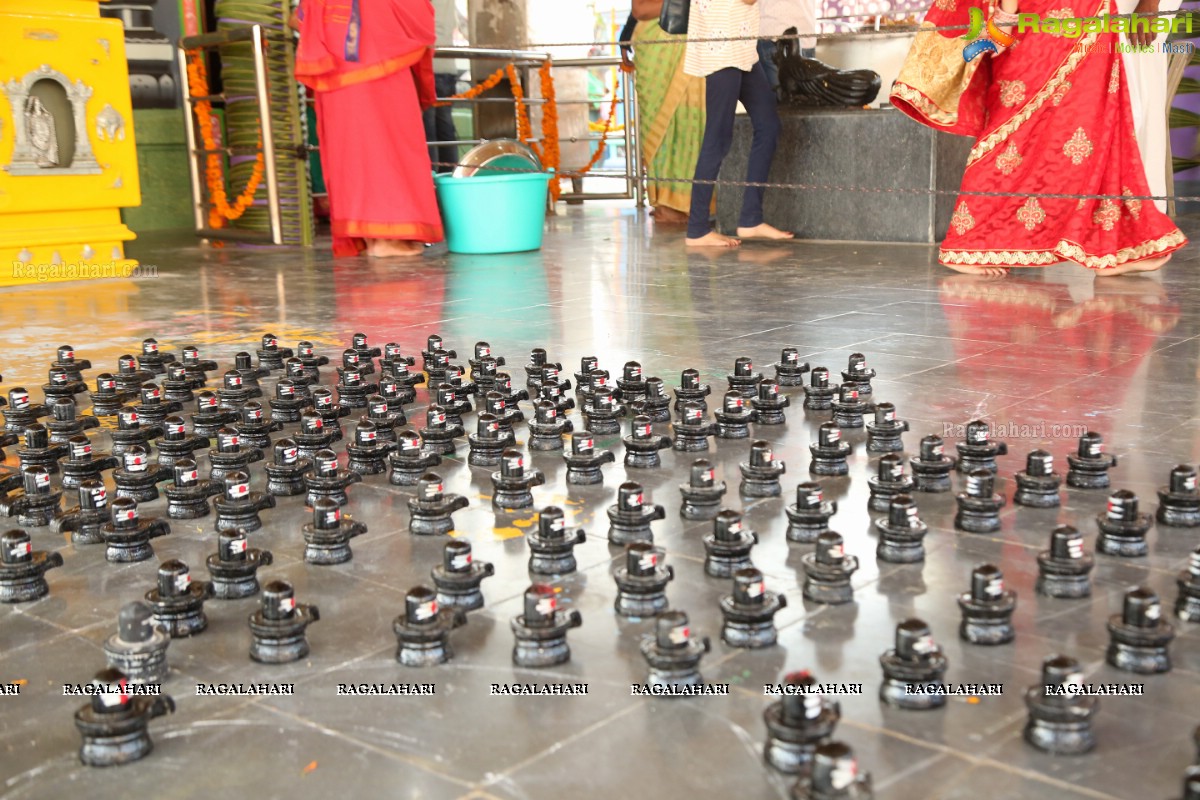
(303, 461)
(800, 725)
(760, 478)
(299, 467)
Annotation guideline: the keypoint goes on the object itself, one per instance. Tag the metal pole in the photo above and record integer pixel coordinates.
(490, 54)
(268, 140)
(640, 168)
(633, 154)
(190, 129)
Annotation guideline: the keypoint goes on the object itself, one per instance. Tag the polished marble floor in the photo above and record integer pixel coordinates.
(1050, 349)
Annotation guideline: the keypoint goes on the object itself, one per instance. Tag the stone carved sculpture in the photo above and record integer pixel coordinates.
(43, 139)
(808, 82)
(110, 125)
(35, 149)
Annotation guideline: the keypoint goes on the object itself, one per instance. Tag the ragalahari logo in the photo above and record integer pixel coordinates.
(996, 40)
(993, 42)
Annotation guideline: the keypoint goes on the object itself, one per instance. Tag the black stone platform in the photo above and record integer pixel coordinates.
(875, 148)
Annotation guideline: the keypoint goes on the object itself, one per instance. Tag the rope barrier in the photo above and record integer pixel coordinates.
(867, 189)
(884, 30)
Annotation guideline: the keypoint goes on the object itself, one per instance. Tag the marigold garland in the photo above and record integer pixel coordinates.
(470, 94)
(549, 151)
(524, 130)
(608, 128)
(219, 210)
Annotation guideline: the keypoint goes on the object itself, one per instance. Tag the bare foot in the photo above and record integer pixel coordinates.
(713, 239)
(668, 216)
(764, 231)
(1145, 265)
(394, 248)
(762, 255)
(970, 269)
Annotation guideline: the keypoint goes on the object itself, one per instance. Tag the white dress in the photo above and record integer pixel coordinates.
(1147, 77)
(721, 19)
(779, 15)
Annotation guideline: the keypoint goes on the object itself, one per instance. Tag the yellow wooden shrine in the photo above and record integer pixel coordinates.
(67, 155)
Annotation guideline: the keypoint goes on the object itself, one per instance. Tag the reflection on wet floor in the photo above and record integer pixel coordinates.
(1041, 356)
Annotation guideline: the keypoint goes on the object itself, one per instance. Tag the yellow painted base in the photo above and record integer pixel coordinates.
(35, 248)
(21, 275)
(55, 224)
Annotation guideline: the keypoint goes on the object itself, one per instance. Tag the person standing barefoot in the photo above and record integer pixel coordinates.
(670, 114)
(369, 64)
(1050, 115)
(732, 72)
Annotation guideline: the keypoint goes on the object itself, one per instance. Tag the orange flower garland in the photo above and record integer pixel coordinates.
(524, 130)
(475, 91)
(214, 170)
(549, 151)
(608, 127)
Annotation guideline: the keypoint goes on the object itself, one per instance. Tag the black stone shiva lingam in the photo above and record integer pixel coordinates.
(459, 576)
(584, 461)
(113, 723)
(278, 629)
(188, 495)
(1064, 570)
(630, 517)
(21, 412)
(1090, 464)
(327, 537)
(270, 354)
(234, 567)
(1037, 486)
(431, 508)
(65, 358)
(551, 545)
(23, 569)
(702, 493)
(423, 630)
(84, 521)
(541, 632)
(790, 370)
(67, 422)
(796, 723)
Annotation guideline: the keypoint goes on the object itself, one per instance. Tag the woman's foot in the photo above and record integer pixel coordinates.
(394, 248)
(713, 239)
(1145, 265)
(764, 231)
(668, 216)
(972, 269)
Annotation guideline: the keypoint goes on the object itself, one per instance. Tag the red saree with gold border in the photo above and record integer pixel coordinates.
(369, 64)
(1049, 115)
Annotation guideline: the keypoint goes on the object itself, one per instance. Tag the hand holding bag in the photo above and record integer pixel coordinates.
(674, 16)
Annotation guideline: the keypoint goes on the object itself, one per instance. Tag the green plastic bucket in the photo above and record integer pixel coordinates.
(493, 213)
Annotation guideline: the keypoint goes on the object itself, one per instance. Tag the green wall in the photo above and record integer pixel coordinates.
(163, 169)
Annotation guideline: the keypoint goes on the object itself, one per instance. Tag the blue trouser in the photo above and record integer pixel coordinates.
(722, 91)
(439, 125)
(766, 57)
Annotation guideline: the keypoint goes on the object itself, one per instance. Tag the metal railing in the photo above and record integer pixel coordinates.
(196, 154)
(523, 60)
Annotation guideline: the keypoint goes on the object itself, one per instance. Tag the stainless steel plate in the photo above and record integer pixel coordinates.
(507, 153)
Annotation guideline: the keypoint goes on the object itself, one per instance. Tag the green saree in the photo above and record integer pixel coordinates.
(670, 117)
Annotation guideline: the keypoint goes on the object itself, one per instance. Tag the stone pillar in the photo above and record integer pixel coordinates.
(499, 24)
